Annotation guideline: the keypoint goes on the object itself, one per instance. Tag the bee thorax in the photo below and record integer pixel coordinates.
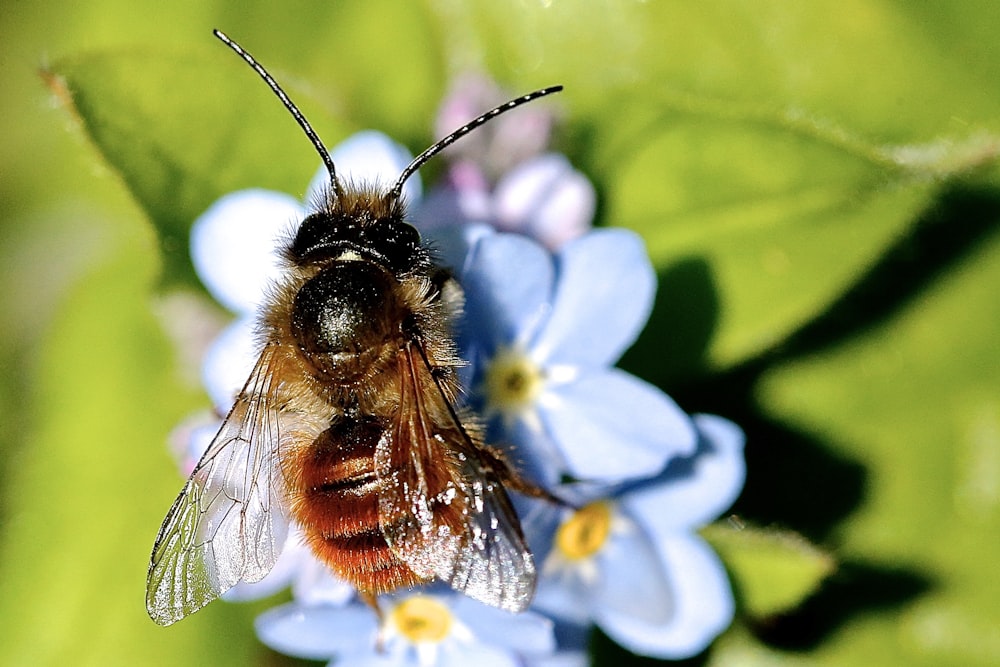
(347, 317)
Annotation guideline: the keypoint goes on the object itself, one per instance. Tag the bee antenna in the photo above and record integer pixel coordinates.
(439, 146)
(294, 110)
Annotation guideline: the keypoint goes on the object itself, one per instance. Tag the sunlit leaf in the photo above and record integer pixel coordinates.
(178, 153)
(92, 484)
(773, 571)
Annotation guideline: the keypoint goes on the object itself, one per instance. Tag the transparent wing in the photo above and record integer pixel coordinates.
(228, 524)
(443, 509)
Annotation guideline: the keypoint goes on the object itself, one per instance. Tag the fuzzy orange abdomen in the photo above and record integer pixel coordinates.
(335, 501)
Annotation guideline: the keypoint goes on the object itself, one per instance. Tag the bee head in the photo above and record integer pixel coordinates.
(371, 233)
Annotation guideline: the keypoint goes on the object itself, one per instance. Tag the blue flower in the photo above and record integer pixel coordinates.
(630, 562)
(543, 331)
(421, 630)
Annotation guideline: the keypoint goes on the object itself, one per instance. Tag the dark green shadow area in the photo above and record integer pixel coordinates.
(856, 587)
(674, 344)
(796, 480)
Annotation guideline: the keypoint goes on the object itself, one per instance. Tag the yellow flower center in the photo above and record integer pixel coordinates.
(422, 619)
(513, 381)
(585, 532)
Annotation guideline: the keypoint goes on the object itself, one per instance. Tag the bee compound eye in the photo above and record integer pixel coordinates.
(397, 242)
(313, 232)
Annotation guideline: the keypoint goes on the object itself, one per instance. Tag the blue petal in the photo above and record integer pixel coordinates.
(199, 438)
(372, 658)
(439, 208)
(570, 636)
(604, 294)
(451, 245)
(315, 584)
(572, 640)
(703, 605)
(317, 633)
(449, 205)
(566, 597)
(367, 157)
(698, 489)
(525, 633)
(613, 426)
(474, 655)
(279, 578)
(234, 243)
(533, 451)
(633, 581)
(228, 363)
(539, 520)
(574, 658)
(508, 286)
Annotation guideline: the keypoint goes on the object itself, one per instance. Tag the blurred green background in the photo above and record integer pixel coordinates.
(817, 183)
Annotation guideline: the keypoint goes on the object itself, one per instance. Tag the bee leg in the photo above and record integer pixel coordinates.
(371, 600)
(513, 480)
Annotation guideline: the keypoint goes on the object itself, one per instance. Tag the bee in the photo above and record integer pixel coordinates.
(348, 424)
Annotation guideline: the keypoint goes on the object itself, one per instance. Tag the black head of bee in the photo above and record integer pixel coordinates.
(387, 241)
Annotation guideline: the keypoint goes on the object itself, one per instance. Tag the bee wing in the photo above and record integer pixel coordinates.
(443, 509)
(226, 525)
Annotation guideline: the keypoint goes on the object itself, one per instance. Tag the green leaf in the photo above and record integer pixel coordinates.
(917, 402)
(92, 483)
(773, 571)
(378, 63)
(783, 222)
(885, 72)
(177, 153)
(184, 128)
(769, 152)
